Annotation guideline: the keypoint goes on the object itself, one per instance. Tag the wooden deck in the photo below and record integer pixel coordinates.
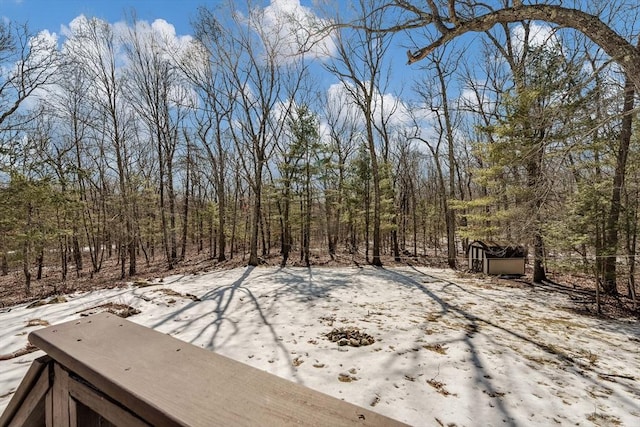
(109, 371)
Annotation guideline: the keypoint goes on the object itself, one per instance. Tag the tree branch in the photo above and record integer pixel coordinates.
(621, 50)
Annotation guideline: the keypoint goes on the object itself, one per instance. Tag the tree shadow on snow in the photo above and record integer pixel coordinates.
(300, 283)
(225, 299)
(482, 376)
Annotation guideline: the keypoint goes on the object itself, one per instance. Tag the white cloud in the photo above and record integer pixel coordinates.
(42, 58)
(75, 26)
(471, 99)
(293, 31)
(539, 35)
(168, 33)
(387, 107)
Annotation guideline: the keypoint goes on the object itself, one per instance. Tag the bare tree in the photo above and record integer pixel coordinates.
(433, 93)
(208, 75)
(94, 47)
(158, 96)
(342, 127)
(28, 62)
(263, 84)
(454, 18)
(359, 65)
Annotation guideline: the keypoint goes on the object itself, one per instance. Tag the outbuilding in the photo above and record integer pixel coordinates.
(495, 258)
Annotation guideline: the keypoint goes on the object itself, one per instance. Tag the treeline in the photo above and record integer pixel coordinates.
(128, 143)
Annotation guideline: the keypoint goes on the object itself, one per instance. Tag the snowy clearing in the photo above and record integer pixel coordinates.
(447, 350)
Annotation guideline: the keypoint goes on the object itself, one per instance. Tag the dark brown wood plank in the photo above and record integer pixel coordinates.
(32, 376)
(166, 381)
(31, 412)
(73, 415)
(60, 396)
(85, 417)
(102, 406)
(48, 408)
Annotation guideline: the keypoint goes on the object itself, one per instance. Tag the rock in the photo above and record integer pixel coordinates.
(346, 378)
(350, 336)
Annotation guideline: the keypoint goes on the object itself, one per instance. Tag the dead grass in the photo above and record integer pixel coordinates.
(170, 292)
(440, 387)
(346, 377)
(592, 358)
(437, 348)
(432, 317)
(600, 419)
(29, 348)
(120, 310)
(37, 322)
(12, 290)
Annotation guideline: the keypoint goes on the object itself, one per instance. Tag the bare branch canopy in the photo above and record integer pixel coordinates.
(617, 47)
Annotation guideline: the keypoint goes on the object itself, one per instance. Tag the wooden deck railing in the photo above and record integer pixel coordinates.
(103, 370)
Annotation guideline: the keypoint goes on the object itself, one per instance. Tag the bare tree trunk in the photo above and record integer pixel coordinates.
(377, 203)
(306, 243)
(612, 224)
(222, 207)
(26, 255)
(77, 252)
(26, 251)
(40, 263)
(162, 202)
(450, 215)
(255, 222)
(367, 220)
(64, 254)
(533, 182)
(286, 238)
(185, 206)
(4, 264)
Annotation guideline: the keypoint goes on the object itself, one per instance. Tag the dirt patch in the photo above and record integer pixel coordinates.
(347, 377)
(58, 299)
(13, 292)
(437, 348)
(600, 419)
(120, 310)
(37, 322)
(29, 348)
(439, 386)
(171, 293)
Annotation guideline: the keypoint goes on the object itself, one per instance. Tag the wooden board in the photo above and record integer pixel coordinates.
(84, 397)
(166, 381)
(60, 396)
(38, 371)
(31, 412)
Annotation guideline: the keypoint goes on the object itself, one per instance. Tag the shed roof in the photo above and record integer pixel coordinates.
(494, 249)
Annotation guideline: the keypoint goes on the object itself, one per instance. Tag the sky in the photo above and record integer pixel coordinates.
(55, 16)
(52, 14)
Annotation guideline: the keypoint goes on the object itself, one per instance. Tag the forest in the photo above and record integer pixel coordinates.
(304, 136)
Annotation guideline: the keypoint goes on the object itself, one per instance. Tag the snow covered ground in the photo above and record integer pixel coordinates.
(448, 350)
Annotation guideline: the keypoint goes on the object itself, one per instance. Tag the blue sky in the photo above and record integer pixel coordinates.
(52, 14)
